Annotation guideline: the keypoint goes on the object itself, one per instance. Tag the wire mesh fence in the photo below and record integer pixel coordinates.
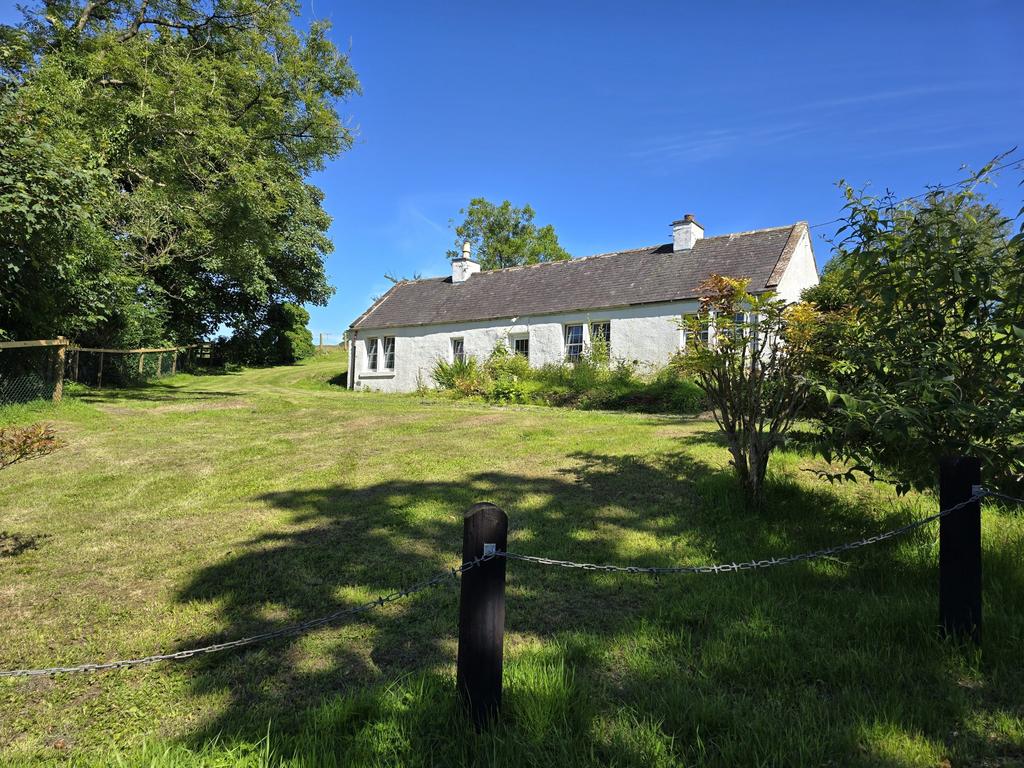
(37, 369)
(31, 371)
(129, 367)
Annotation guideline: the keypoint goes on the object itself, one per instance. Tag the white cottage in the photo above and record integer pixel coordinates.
(550, 312)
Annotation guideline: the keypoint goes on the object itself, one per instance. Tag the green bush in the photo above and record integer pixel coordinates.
(502, 363)
(465, 377)
(591, 382)
(507, 389)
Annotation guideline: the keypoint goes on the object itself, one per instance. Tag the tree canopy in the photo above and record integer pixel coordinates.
(154, 157)
(505, 236)
(922, 342)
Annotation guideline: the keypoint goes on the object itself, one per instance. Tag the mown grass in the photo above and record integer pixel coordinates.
(205, 508)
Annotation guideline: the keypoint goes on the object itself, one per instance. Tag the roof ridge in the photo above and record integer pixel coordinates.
(570, 260)
(753, 231)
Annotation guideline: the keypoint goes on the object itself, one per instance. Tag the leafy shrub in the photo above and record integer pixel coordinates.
(503, 363)
(507, 389)
(590, 382)
(466, 376)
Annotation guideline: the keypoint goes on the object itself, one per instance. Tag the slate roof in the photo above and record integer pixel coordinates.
(641, 276)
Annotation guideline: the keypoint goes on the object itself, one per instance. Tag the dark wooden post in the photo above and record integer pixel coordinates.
(99, 376)
(960, 549)
(482, 613)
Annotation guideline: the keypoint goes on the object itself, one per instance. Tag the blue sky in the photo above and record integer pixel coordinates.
(613, 119)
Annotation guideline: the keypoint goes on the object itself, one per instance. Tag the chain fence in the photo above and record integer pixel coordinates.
(449, 577)
(294, 629)
(1004, 497)
(748, 565)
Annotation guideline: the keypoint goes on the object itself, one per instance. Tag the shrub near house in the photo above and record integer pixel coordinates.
(592, 381)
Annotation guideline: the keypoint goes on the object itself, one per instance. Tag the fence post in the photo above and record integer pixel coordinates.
(75, 368)
(960, 550)
(99, 375)
(482, 613)
(142, 361)
(58, 370)
(174, 363)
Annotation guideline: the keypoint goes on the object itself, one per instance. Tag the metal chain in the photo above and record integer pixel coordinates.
(1003, 496)
(750, 564)
(293, 629)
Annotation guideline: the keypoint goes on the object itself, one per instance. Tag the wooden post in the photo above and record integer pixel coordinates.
(76, 366)
(960, 550)
(99, 376)
(58, 371)
(142, 360)
(321, 342)
(160, 365)
(482, 613)
(174, 363)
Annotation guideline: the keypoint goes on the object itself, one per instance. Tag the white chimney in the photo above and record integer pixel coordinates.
(685, 233)
(464, 266)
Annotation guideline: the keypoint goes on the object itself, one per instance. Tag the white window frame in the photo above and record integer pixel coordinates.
(458, 356)
(520, 338)
(372, 354)
(569, 355)
(386, 353)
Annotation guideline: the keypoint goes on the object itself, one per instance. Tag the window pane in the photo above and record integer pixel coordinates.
(371, 354)
(703, 328)
(389, 352)
(521, 347)
(573, 342)
(458, 350)
(601, 333)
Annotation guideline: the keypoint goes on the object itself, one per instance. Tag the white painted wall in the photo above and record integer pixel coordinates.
(800, 273)
(648, 334)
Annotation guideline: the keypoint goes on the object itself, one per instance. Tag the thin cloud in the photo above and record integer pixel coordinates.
(874, 97)
(715, 143)
(804, 119)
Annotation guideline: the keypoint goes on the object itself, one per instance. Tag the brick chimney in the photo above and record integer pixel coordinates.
(464, 266)
(685, 233)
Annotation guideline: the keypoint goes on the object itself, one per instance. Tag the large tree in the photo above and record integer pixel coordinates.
(505, 236)
(923, 337)
(154, 157)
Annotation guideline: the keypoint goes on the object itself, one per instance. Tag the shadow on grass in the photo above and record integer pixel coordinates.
(788, 666)
(152, 393)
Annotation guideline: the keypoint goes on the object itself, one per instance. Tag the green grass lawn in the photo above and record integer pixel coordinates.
(201, 509)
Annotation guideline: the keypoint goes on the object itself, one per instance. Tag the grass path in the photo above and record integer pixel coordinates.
(205, 508)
